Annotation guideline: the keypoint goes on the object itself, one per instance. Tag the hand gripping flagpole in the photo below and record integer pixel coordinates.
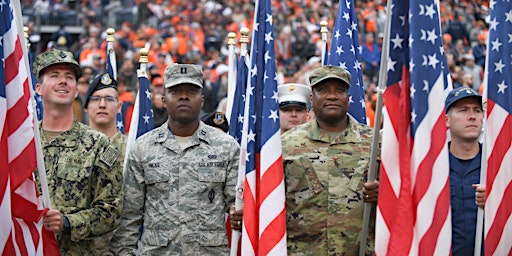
(376, 129)
(239, 200)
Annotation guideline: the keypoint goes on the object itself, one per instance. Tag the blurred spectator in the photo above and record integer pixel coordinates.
(476, 71)
(369, 15)
(479, 50)
(127, 71)
(124, 94)
(62, 38)
(42, 8)
(371, 58)
(143, 12)
(283, 44)
(457, 28)
(212, 38)
(303, 47)
(88, 73)
(467, 80)
(78, 103)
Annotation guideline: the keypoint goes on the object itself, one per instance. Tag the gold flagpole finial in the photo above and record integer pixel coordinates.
(231, 38)
(143, 59)
(323, 26)
(244, 35)
(25, 31)
(110, 35)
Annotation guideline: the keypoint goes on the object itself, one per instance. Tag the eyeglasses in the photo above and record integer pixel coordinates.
(108, 99)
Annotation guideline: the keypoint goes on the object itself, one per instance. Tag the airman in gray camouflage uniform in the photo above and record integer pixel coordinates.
(180, 179)
(325, 163)
(84, 176)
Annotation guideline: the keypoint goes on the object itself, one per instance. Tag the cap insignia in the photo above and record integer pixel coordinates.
(219, 118)
(105, 79)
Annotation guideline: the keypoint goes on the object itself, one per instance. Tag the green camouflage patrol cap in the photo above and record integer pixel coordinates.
(55, 56)
(325, 72)
(176, 74)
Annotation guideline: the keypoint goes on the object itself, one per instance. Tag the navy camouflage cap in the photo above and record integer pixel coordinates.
(53, 57)
(176, 74)
(461, 93)
(100, 82)
(326, 72)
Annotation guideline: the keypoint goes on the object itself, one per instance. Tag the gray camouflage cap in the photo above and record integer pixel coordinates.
(176, 74)
(325, 72)
(53, 57)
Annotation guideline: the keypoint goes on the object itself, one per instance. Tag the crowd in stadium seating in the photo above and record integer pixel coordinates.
(196, 32)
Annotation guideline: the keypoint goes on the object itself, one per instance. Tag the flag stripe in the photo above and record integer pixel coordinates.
(414, 196)
(19, 208)
(264, 201)
(498, 132)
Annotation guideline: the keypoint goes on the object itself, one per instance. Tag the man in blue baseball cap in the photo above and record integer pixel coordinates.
(464, 118)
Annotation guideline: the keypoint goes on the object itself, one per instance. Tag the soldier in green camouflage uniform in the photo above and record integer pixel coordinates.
(180, 179)
(84, 176)
(102, 105)
(325, 163)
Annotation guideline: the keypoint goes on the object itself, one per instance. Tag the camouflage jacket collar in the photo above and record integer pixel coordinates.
(166, 138)
(67, 139)
(350, 135)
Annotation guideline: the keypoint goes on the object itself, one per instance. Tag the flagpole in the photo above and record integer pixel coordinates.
(231, 74)
(37, 137)
(132, 136)
(239, 200)
(483, 165)
(111, 56)
(376, 128)
(323, 31)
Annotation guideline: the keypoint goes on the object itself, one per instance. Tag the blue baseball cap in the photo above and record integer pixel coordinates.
(461, 93)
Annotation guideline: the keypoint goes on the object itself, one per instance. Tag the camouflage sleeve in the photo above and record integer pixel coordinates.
(232, 176)
(124, 241)
(106, 187)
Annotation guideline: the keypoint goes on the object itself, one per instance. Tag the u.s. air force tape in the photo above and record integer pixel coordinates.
(110, 156)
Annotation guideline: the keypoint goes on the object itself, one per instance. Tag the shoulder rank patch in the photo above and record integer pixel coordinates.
(110, 155)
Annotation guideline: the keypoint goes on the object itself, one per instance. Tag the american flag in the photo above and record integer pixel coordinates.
(142, 116)
(145, 110)
(264, 222)
(111, 66)
(237, 112)
(235, 130)
(21, 231)
(498, 132)
(345, 52)
(414, 216)
(37, 97)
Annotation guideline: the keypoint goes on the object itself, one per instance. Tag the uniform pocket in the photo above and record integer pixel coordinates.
(157, 180)
(73, 172)
(155, 237)
(211, 175)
